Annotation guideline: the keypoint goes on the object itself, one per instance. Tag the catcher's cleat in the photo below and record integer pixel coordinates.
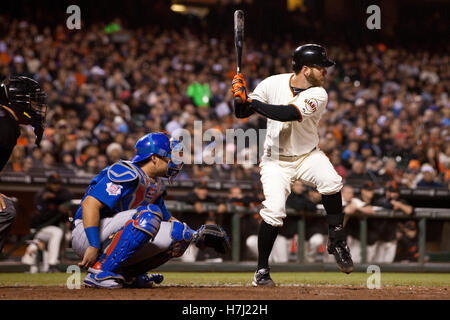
(262, 278)
(341, 252)
(103, 279)
(145, 281)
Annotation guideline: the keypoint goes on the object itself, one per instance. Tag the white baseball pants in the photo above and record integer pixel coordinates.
(111, 225)
(313, 169)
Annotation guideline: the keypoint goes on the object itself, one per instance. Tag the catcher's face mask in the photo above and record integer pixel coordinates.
(28, 100)
(175, 164)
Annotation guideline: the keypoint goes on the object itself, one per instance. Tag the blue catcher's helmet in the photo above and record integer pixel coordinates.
(161, 145)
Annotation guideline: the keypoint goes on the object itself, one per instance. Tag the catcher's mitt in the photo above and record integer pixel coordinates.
(211, 235)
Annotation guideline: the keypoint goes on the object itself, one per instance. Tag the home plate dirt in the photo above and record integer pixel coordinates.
(226, 293)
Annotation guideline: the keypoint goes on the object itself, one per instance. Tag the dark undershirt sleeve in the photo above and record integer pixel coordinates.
(281, 113)
(242, 110)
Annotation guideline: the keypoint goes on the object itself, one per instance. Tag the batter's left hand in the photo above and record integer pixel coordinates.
(239, 89)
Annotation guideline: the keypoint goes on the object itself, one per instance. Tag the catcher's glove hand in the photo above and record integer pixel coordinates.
(213, 236)
(239, 89)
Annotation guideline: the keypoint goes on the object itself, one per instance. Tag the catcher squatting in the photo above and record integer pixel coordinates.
(122, 228)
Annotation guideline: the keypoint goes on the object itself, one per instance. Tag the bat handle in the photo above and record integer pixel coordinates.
(238, 99)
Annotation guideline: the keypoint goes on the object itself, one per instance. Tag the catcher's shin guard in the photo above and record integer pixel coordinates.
(174, 245)
(181, 236)
(137, 231)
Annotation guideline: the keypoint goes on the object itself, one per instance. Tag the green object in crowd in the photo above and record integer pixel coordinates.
(200, 93)
(112, 27)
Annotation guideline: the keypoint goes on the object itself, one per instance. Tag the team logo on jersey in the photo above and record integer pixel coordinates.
(113, 189)
(311, 105)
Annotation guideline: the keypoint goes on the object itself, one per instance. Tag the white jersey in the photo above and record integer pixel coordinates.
(294, 138)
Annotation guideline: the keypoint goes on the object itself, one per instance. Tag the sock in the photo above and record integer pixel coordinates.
(266, 238)
(333, 206)
(335, 217)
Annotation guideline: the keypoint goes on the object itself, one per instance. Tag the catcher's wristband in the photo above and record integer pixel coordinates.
(93, 236)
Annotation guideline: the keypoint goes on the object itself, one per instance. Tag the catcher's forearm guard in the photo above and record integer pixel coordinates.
(213, 236)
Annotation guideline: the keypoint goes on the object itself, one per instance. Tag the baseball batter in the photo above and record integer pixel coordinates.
(293, 104)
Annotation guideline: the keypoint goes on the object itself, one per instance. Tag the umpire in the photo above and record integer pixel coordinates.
(22, 101)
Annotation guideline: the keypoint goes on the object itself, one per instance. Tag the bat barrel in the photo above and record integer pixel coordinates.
(238, 36)
(239, 21)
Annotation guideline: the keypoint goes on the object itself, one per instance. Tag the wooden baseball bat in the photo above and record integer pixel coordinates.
(238, 40)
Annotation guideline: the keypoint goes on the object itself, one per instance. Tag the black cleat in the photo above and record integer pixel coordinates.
(341, 252)
(262, 278)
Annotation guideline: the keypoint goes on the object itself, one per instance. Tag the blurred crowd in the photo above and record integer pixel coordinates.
(387, 123)
(388, 113)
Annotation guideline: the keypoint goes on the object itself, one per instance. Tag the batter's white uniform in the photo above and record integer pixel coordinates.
(291, 148)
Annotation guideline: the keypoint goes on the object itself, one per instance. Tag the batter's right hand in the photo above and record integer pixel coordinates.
(239, 89)
(90, 257)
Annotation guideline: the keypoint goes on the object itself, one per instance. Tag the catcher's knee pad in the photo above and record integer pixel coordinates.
(137, 231)
(181, 236)
(148, 219)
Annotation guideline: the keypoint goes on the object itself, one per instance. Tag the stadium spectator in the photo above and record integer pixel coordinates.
(407, 242)
(315, 228)
(384, 248)
(351, 205)
(357, 174)
(237, 198)
(200, 199)
(353, 209)
(51, 212)
(428, 180)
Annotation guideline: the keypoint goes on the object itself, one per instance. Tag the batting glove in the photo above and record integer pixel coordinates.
(239, 89)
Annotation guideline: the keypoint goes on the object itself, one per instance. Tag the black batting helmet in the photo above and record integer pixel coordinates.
(310, 55)
(28, 101)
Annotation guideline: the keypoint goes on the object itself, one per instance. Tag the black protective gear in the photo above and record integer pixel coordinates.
(28, 101)
(212, 236)
(310, 55)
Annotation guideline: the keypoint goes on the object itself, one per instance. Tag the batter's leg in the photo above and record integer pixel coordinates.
(276, 182)
(317, 170)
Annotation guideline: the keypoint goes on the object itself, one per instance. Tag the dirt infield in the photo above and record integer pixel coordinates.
(226, 293)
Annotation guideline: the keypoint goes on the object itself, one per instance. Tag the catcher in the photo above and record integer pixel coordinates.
(122, 228)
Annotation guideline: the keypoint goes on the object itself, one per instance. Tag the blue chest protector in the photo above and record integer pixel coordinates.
(124, 186)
